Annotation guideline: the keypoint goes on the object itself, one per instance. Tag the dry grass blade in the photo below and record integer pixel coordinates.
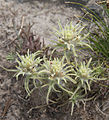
(19, 33)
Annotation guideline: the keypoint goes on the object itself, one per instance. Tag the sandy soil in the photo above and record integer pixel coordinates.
(45, 15)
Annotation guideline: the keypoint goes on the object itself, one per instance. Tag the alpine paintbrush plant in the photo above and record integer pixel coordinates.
(75, 99)
(57, 73)
(70, 37)
(28, 66)
(85, 75)
(99, 33)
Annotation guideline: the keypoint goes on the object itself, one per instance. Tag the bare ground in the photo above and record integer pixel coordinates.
(13, 104)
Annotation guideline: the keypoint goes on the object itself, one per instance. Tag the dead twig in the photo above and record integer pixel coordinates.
(107, 4)
(20, 31)
(101, 111)
(7, 105)
(38, 107)
(101, 2)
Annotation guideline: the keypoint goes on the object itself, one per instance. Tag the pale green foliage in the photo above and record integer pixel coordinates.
(28, 66)
(60, 74)
(70, 37)
(56, 72)
(76, 99)
(85, 75)
(11, 56)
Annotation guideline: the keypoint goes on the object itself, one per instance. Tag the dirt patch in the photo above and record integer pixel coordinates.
(13, 102)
